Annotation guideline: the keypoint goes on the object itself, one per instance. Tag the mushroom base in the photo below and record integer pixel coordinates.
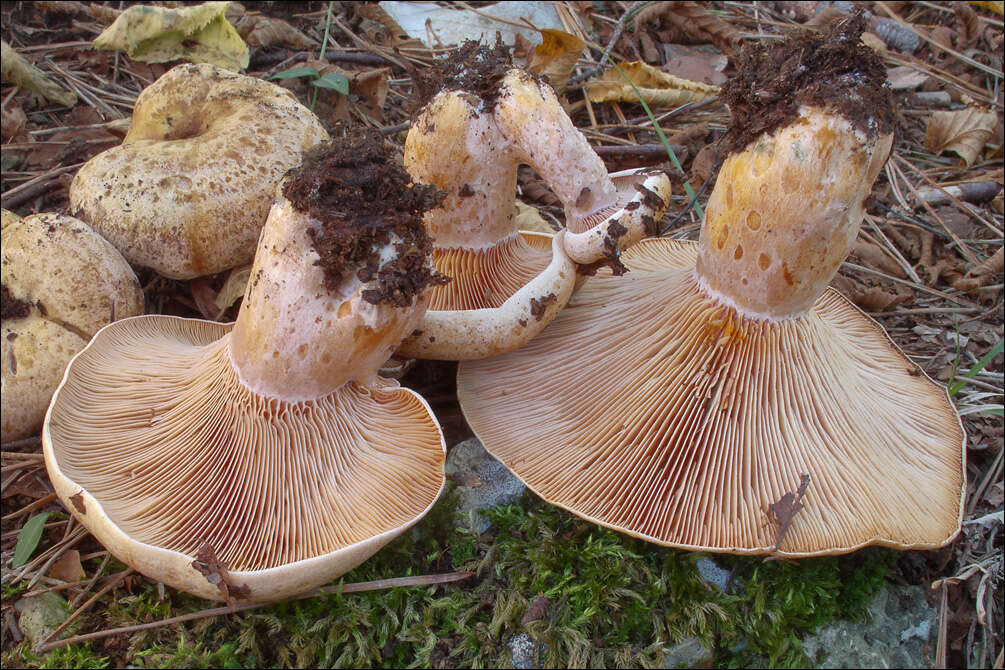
(650, 407)
(155, 446)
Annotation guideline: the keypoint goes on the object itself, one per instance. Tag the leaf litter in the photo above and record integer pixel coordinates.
(927, 265)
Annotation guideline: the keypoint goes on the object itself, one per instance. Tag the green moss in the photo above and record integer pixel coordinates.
(611, 600)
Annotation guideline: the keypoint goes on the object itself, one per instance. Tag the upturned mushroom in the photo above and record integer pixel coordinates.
(469, 140)
(721, 397)
(259, 459)
(61, 283)
(188, 190)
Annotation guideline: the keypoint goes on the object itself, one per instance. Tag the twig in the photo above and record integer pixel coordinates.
(41, 502)
(619, 28)
(112, 583)
(357, 587)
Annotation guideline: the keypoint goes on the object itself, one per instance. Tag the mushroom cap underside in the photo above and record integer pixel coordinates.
(486, 278)
(154, 445)
(648, 407)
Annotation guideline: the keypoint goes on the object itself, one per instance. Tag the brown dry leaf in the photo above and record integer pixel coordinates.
(555, 56)
(68, 567)
(658, 89)
(903, 78)
(16, 70)
(13, 122)
(964, 132)
(695, 20)
(233, 287)
(372, 87)
(694, 65)
(528, 218)
(198, 33)
(264, 31)
(379, 28)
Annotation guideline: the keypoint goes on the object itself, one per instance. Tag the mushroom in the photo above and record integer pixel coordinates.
(187, 191)
(262, 458)
(61, 283)
(686, 403)
(469, 140)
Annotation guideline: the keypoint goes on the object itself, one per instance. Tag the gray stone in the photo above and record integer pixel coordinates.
(898, 634)
(482, 482)
(41, 614)
(715, 575)
(522, 651)
(688, 653)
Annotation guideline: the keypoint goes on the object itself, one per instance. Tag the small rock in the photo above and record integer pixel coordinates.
(688, 653)
(522, 651)
(482, 482)
(715, 575)
(898, 634)
(41, 614)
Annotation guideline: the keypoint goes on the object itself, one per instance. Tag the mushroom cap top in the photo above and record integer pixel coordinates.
(70, 282)
(188, 190)
(785, 212)
(155, 445)
(650, 407)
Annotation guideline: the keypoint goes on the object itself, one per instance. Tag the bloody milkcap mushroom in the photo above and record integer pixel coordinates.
(187, 191)
(262, 458)
(469, 140)
(61, 283)
(720, 397)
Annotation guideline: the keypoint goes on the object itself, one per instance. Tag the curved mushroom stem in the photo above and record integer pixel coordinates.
(275, 345)
(785, 212)
(481, 333)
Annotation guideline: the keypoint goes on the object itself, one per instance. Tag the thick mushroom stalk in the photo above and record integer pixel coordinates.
(692, 402)
(785, 212)
(470, 145)
(259, 460)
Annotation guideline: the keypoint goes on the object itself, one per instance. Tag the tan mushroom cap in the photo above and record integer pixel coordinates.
(650, 407)
(188, 190)
(74, 282)
(157, 447)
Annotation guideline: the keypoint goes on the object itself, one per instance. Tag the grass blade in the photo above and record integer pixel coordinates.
(28, 539)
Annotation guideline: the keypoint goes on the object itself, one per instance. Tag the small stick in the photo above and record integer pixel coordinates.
(357, 587)
(41, 502)
(112, 583)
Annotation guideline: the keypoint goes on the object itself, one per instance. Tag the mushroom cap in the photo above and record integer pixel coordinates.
(189, 189)
(74, 282)
(691, 421)
(156, 446)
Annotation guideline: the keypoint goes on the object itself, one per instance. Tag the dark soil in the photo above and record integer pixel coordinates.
(472, 67)
(11, 307)
(357, 188)
(836, 72)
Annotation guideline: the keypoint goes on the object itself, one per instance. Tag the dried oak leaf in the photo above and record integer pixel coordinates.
(693, 20)
(265, 31)
(963, 132)
(658, 89)
(555, 56)
(198, 33)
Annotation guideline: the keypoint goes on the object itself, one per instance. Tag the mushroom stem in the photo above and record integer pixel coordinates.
(274, 346)
(551, 143)
(785, 212)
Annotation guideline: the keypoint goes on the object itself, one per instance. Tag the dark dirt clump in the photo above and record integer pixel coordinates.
(539, 305)
(11, 307)
(361, 194)
(834, 71)
(473, 67)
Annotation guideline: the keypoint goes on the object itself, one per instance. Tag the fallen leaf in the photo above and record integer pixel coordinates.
(264, 31)
(233, 287)
(536, 611)
(199, 34)
(28, 539)
(528, 218)
(964, 132)
(13, 122)
(555, 56)
(658, 89)
(16, 70)
(904, 78)
(996, 6)
(68, 567)
(694, 20)
(688, 63)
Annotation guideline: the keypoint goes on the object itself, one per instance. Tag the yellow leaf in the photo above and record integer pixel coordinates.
(964, 132)
(529, 218)
(657, 88)
(996, 7)
(555, 56)
(15, 69)
(199, 34)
